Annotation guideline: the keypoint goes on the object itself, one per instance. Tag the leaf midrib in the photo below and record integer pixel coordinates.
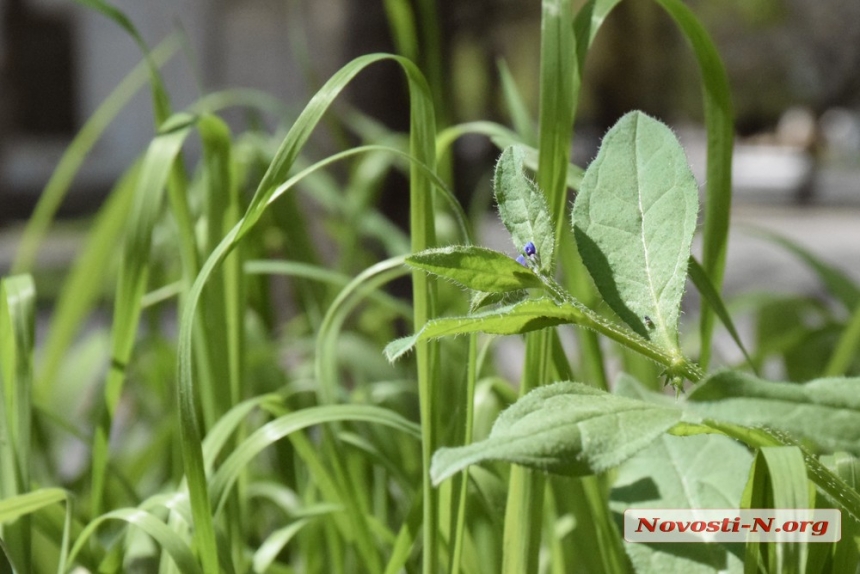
(661, 321)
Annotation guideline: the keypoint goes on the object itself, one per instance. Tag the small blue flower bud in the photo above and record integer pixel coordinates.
(522, 261)
(530, 249)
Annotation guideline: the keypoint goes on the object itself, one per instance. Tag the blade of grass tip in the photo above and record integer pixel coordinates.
(719, 121)
(132, 283)
(838, 284)
(709, 293)
(422, 139)
(17, 324)
(161, 103)
(78, 150)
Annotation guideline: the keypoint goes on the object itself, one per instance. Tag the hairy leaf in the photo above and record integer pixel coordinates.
(566, 428)
(523, 317)
(522, 206)
(476, 268)
(826, 411)
(634, 221)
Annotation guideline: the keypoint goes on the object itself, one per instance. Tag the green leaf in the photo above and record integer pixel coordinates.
(476, 268)
(566, 428)
(634, 220)
(14, 507)
(17, 328)
(826, 411)
(522, 206)
(704, 471)
(522, 317)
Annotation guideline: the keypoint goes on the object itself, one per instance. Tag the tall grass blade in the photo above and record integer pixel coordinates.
(17, 337)
(131, 285)
(86, 279)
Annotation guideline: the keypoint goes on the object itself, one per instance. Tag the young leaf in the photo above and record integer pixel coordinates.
(522, 206)
(634, 220)
(566, 428)
(826, 411)
(522, 317)
(476, 268)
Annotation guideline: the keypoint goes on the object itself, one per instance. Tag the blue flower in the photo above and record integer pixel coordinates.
(522, 261)
(530, 249)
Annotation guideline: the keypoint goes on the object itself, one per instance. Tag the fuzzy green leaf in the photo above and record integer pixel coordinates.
(475, 268)
(523, 317)
(566, 428)
(522, 206)
(826, 411)
(634, 221)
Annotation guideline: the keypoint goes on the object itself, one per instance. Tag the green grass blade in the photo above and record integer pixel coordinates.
(586, 25)
(17, 325)
(422, 140)
(559, 74)
(520, 118)
(86, 279)
(719, 121)
(131, 285)
(326, 363)
(831, 485)
(12, 508)
(222, 301)
(838, 284)
(178, 550)
(558, 95)
(279, 428)
(161, 103)
(74, 156)
(709, 293)
(401, 21)
(845, 352)
(778, 480)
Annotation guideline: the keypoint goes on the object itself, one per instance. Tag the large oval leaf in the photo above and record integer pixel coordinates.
(825, 411)
(566, 428)
(634, 220)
